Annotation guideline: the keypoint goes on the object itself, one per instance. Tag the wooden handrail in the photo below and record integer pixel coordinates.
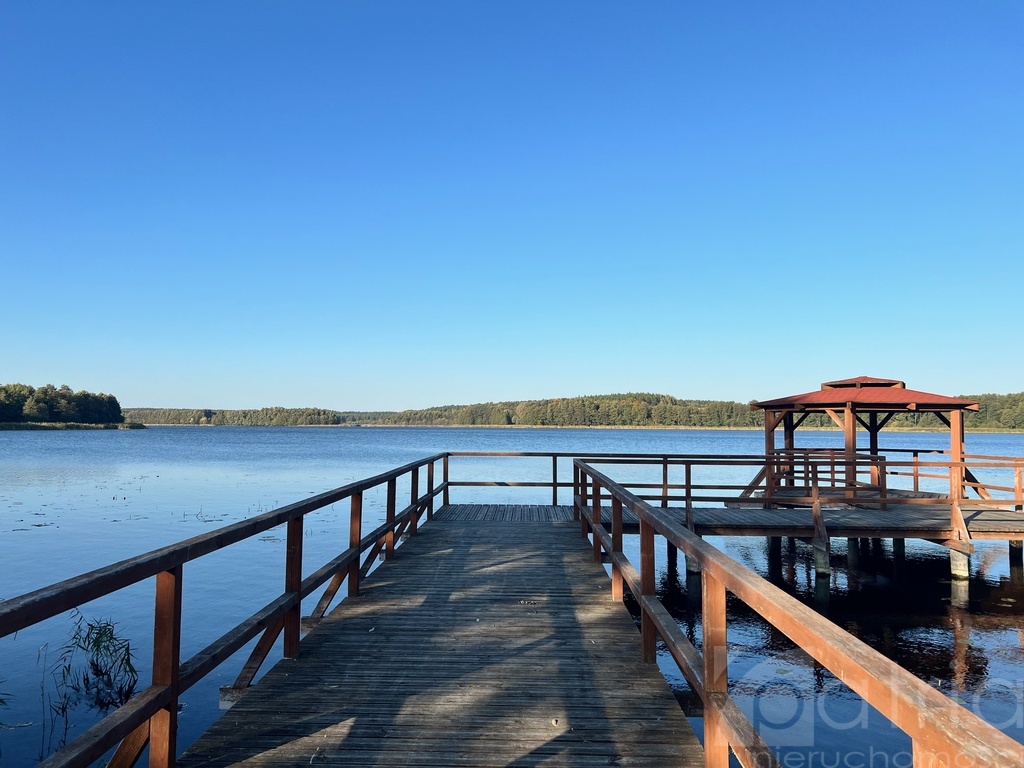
(150, 717)
(942, 732)
(827, 466)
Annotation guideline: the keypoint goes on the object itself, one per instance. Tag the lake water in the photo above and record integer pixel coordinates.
(74, 501)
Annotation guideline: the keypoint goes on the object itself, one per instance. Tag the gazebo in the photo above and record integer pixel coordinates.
(870, 403)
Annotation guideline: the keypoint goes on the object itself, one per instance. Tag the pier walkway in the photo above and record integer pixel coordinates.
(491, 641)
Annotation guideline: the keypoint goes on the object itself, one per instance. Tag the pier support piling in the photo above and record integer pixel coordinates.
(821, 559)
(899, 559)
(853, 554)
(899, 549)
(959, 565)
(692, 566)
(775, 558)
(959, 594)
(1017, 562)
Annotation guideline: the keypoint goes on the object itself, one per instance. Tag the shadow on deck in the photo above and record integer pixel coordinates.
(490, 640)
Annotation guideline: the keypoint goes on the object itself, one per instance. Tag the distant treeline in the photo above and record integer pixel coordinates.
(261, 417)
(621, 410)
(20, 404)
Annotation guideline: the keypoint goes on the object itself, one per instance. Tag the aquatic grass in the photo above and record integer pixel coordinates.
(105, 680)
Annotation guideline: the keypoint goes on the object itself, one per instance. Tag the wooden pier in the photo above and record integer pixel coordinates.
(492, 634)
(492, 642)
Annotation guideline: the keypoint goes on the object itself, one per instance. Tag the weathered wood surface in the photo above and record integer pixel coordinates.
(481, 644)
(518, 513)
(924, 521)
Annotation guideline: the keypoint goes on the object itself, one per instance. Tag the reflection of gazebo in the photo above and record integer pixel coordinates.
(870, 403)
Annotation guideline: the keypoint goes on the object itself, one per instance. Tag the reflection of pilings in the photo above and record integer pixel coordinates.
(1017, 563)
(961, 643)
(959, 593)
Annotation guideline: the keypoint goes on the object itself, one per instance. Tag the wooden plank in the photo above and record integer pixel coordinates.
(481, 643)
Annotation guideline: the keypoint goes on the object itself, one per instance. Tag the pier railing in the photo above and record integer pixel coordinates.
(150, 717)
(942, 732)
(690, 479)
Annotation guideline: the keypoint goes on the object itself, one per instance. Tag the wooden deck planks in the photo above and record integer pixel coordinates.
(481, 644)
(899, 520)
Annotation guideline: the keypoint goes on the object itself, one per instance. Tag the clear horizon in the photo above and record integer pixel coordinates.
(392, 205)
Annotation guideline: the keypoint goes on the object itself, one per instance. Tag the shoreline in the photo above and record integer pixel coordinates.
(58, 426)
(923, 430)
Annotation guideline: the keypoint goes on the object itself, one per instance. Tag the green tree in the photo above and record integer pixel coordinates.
(12, 401)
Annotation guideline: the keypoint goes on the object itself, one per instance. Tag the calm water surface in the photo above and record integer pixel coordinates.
(74, 501)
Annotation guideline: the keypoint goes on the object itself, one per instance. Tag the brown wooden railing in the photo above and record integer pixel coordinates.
(942, 732)
(150, 717)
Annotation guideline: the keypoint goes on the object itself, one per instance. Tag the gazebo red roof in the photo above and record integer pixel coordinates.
(867, 394)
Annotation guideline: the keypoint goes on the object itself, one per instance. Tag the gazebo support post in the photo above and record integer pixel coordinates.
(789, 442)
(771, 422)
(956, 454)
(850, 445)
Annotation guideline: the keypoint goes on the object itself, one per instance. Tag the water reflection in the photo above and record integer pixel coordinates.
(965, 638)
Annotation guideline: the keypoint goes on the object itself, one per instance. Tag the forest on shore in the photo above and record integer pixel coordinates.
(996, 412)
(23, 404)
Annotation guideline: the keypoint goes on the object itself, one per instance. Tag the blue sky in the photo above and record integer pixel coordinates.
(385, 205)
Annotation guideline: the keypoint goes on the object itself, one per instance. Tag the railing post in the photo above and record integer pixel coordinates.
(917, 472)
(584, 502)
(414, 496)
(616, 548)
(883, 482)
(389, 537)
(292, 584)
(430, 490)
(596, 521)
(163, 726)
(1018, 485)
(355, 537)
(648, 633)
(664, 482)
(821, 541)
(554, 481)
(579, 491)
(716, 670)
(689, 495)
(444, 471)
